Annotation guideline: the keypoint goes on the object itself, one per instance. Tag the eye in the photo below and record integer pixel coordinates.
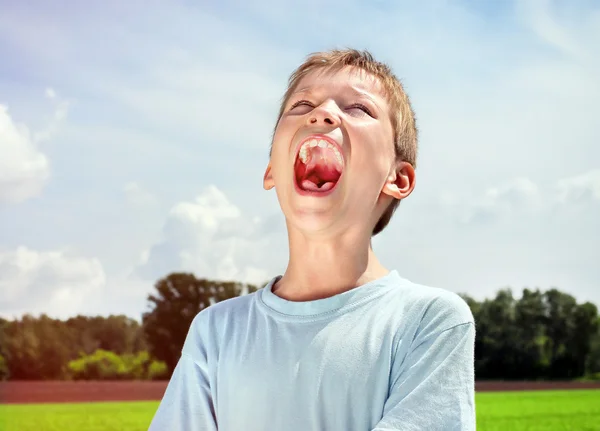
(302, 103)
(361, 107)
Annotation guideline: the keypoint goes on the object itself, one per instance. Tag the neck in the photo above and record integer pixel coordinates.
(320, 268)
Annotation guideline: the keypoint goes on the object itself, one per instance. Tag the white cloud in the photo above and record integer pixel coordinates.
(50, 93)
(212, 238)
(138, 195)
(52, 282)
(512, 198)
(24, 169)
(522, 196)
(53, 123)
(188, 97)
(580, 188)
(567, 34)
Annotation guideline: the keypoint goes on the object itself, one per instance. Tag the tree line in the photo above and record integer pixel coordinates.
(538, 336)
(81, 347)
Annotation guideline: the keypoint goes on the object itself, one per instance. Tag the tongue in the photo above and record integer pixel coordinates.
(320, 173)
(314, 184)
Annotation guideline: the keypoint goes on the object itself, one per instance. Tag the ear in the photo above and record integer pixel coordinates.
(268, 182)
(401, 181)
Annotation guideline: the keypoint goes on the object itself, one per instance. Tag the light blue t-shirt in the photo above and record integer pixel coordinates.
(388, 355)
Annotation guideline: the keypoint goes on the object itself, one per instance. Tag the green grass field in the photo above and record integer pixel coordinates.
(577, 410)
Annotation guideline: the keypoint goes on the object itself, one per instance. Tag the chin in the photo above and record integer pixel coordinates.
(310, 223)
(313, 212)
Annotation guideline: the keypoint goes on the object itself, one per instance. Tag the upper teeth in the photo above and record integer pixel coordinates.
(311, 143)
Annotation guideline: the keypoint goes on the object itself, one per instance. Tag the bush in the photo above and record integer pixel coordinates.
(100, 365)
(594, 377)
(3, 369)
(105, 365)
(138, 365)
(158, 371)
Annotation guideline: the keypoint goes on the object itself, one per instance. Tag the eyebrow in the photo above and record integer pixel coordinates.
(355, 91)
(365, 94)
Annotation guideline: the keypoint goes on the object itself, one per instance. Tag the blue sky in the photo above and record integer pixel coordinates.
(133, 140)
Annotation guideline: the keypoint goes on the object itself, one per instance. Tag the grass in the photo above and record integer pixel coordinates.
(106, 416)
(577, 410)
(496, 411)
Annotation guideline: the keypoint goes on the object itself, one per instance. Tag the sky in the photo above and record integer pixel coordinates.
(134, 138)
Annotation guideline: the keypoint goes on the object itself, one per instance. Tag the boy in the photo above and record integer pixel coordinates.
(338, 343)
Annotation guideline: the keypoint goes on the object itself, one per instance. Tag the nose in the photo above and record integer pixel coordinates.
(324, 114)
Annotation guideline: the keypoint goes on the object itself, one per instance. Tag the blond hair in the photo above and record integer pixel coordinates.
(402, 116)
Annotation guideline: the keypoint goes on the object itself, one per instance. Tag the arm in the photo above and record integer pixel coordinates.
(432, 386)
(187, 404)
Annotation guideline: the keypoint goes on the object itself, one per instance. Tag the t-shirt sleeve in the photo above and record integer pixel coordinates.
(433, 386)
(187, 403)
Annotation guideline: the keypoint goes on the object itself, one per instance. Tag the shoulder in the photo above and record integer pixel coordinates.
(223, 311)
(445, 307)
(422, 313)
(209, 325)
(430, 307)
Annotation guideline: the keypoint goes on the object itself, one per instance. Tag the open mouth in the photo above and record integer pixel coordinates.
(318, 167)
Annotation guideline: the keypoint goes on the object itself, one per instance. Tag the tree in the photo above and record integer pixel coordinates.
(593, 359)
(560, 310)
(39, 348)
(82, 338)
(4, 371)
(36, 348)
(22, 349)
(531, 343)
(496, 330)
(582, 337)
(178, 299)
(118, 334)
(539, 336)
(52, 351)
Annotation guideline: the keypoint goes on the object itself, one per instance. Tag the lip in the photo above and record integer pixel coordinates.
(298, 146)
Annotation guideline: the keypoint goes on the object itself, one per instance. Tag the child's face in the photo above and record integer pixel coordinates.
(336, 124)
